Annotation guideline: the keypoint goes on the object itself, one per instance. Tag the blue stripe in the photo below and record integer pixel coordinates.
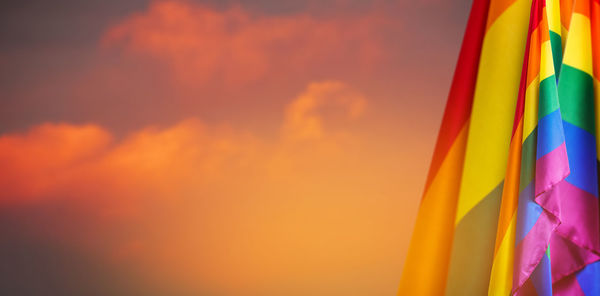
(528, 212)
(550, 134)
(542, 277)
(581, 150)
(589, 279)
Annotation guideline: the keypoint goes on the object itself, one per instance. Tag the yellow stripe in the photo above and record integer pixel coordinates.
(546, 62)
(563, 36)
(578, 51)
(501, 275)
(426, 265)
(502, 268)
(493, 106)
(553, 12)
(531, 107)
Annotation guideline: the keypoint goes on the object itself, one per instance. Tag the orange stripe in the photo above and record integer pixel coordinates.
(582, 7)
(497, 7)
(538, 37)
(566, 9)
(510, 191)
(426, 266)
(533, 70)
(545, 31)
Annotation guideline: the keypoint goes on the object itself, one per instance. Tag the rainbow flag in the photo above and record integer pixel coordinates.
(511, 201)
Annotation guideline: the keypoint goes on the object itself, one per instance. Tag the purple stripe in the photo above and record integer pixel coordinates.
(589, 279)
(548, 137)
(581, 148)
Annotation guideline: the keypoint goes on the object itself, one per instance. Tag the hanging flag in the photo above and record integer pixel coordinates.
(521, 163)
(575, 250)
(426, 266)
(511, 201)
(539, 209)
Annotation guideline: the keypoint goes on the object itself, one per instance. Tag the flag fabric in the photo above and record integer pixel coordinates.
(433, 233)
(511, 201)
(539, 209)
(576, 247)
(538, 88)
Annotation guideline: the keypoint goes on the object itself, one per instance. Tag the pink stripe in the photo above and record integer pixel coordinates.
(567, 258)
(529, 252)
(576, 242)
(579, 217)
(550, 169)
(567, 287)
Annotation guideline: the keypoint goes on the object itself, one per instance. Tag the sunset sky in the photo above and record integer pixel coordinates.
(265, 147)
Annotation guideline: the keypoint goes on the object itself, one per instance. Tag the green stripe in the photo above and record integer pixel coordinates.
(528, 160)
(548, 101)
(576, 96)
(556, 44)
(473, 247)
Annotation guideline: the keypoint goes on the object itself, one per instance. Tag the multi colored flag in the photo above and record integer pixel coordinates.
(511, 201)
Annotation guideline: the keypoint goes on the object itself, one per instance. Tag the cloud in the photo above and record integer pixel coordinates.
(203, 45)
(304, 116)
(36, 161)
(211, 207)
(50, 154)
(300, 192)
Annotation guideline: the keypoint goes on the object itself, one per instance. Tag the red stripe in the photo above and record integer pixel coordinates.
(535, 19)
(460, 98)
(595, 23)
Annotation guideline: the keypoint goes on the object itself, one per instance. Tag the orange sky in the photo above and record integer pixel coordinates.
(217, 148)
